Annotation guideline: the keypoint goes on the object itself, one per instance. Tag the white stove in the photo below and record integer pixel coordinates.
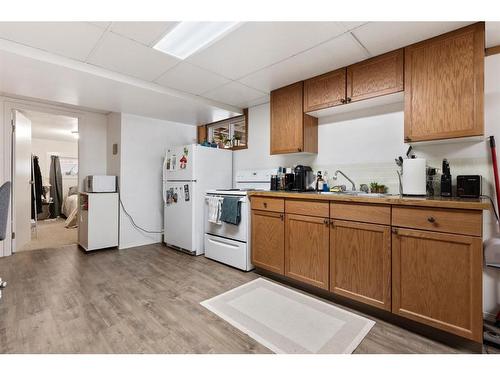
(228, 243)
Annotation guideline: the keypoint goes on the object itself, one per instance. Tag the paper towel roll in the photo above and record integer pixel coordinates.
(414, 176)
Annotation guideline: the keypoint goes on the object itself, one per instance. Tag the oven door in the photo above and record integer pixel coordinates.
(234, 232)
(230, 252)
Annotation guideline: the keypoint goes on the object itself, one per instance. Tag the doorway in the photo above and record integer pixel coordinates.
(45, 189)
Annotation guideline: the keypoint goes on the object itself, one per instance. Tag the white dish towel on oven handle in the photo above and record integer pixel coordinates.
(214, 209)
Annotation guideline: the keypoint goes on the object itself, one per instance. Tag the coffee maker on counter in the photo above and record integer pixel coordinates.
(301, 178)
(304, 178)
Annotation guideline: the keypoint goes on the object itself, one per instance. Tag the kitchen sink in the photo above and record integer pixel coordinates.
(357, 194)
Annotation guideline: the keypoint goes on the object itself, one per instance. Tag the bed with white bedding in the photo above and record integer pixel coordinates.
(70, 203)
(70, 208)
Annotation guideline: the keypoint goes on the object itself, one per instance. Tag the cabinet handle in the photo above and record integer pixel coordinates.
(348, 100)
(407, 139)
(431, 219)
(325, 221)
(299, 150)
(265, 204)
(332, 223)
(395, 230)
(342, 101)
(282, 217)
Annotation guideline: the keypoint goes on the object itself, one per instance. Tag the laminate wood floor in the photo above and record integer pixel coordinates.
(140, 300)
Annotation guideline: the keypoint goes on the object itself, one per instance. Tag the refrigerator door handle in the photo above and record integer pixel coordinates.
(165, 166)
(164, 192)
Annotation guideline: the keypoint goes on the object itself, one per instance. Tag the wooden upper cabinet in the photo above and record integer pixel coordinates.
(437, 280)
(292, 130)
(306, 249)
(360, 262)
(326, 90)
(380, 75)
(202, 133)
(444, 86)
(268, 241)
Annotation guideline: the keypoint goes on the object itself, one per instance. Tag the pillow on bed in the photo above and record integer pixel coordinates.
(73, 190)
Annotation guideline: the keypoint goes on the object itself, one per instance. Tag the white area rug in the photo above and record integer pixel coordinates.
(287, 321)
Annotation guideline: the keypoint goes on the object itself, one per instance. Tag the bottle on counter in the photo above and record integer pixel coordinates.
(281, 178)
(319, 182)
(289, 178)
(274, 182)
(325, 181)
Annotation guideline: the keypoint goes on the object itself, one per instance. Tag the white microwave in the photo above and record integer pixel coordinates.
(100, 184)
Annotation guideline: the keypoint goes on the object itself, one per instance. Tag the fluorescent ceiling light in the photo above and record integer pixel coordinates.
(188, 37)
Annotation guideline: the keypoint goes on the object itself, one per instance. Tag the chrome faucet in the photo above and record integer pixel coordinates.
(347, 178)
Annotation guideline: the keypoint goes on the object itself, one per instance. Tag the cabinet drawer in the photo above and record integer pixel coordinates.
(268, 204)
(366, 213)
(439, 220)
(309, 208)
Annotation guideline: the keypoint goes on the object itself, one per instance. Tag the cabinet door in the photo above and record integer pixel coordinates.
(444, 86)
(306, 249)
(287, 119)
(377, 76)
(360, 262)
(268, 241)
(326, 90)
(437, 280)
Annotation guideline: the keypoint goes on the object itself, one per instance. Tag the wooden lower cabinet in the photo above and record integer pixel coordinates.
(360, 262)
(437, 280)
(268, 241)
(307, 249)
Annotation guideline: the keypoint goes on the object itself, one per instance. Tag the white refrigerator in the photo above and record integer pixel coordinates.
(188, 172)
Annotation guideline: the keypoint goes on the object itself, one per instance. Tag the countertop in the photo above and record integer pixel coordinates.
(436, 202)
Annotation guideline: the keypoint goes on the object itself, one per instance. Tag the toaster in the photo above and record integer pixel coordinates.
(469, 186)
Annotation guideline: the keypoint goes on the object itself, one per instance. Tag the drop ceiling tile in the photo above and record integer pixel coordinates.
(380, 37)
(190, 78)
(352, 25)
(234, 93)
(331, 55)
(255, 102)
(101, 24)
(146, 33)
(255, 45)
(125, 56)
(492, 34)
(70, 39)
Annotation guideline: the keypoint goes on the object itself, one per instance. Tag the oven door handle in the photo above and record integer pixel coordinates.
(223, 243)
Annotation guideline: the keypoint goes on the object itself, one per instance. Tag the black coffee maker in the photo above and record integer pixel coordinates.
(304, 177)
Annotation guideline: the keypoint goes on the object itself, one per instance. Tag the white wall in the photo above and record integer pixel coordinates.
(92, 129)
(113, 136)
(44, 147)
(365, 149)
(142, 146)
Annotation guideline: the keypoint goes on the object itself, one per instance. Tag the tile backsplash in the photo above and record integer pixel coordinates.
(385, 173)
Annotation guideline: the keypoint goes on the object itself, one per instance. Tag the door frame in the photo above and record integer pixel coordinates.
(9, 105)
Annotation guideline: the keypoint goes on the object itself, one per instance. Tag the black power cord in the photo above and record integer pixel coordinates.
(132, 221)
(492, 205)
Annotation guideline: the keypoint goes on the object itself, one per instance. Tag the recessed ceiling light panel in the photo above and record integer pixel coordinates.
(188, 37)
